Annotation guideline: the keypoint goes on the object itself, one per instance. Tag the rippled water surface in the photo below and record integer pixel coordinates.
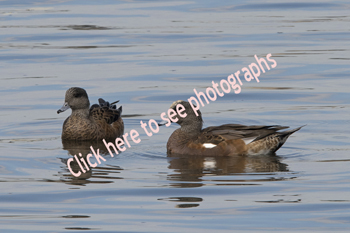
(148, 54)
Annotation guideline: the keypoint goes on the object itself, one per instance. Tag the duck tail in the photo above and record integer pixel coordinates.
(285, 134)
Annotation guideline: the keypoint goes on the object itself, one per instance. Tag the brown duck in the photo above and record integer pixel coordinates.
(224, 140)
(100, 121)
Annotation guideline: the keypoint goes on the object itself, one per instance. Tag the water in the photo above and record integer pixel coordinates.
(148, 54)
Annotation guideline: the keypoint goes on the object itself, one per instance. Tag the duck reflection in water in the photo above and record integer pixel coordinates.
(100, 172)
(193, 168)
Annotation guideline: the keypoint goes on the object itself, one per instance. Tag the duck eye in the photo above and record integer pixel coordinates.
(77, 95)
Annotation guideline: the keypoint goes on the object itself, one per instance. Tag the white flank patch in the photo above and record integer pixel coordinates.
(248, 140)
(209, 145)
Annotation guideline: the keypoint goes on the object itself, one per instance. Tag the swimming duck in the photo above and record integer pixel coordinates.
(100, 121)
(224, 140)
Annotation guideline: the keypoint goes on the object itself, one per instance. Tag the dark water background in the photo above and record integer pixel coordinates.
(148, 54)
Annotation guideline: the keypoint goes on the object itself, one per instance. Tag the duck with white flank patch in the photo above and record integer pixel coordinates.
(224, 140)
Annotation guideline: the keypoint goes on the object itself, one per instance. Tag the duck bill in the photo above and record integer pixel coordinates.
(64, 108)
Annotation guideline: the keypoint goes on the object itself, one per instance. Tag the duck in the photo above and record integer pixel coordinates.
(100, 121)
(223, 140)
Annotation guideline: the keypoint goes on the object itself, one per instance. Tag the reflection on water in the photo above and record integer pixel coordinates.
(83, 147)
(183, 199)
(195, 168)
(101, 172)
(185, 167)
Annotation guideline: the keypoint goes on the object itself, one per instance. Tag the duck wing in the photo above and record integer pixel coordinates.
(105, 111)
(217, 134)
